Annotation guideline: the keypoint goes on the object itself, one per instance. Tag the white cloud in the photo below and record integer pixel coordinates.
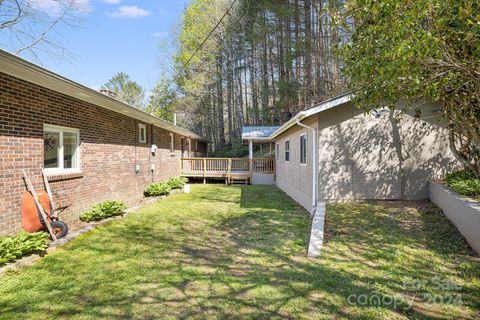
(159, 34)
(113, 1)
(55, 7)
(130, 12)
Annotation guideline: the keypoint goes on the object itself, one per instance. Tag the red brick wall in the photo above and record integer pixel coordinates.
(109, 151)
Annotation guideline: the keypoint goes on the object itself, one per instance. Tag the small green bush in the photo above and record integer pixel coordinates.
(177, 183)
(12, 248)
(103, 210)
(157, 189)
(465, 183)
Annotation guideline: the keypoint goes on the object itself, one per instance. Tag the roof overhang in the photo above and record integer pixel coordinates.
(326, 105)
(30, 72)
(256, 139)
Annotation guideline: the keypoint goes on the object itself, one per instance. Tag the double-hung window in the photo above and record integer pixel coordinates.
(287, 151)
(303, 149)
(61, 149)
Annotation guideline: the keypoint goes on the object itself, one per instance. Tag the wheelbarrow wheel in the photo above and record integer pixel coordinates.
(60, 229)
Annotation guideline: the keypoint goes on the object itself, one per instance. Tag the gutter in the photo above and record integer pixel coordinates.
(315, 165)
(325, 105)
(298, 117)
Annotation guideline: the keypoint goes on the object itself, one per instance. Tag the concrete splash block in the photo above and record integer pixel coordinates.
(317, 231)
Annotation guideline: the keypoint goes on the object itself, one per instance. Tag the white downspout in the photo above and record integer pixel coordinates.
(315, 165)
(315, 244)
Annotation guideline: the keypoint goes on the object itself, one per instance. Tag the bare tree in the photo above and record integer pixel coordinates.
(28, 27)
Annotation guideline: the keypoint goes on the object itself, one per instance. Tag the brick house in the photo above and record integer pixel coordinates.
(92, 146)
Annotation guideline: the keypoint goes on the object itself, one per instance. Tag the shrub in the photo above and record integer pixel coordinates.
(465, 183)
(12, 248)
(157, 189)
(103, 210)
(177, 183)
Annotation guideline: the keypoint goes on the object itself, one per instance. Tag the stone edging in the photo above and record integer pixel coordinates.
(31, 259)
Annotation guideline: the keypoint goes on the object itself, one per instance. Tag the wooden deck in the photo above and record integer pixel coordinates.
(231, 169)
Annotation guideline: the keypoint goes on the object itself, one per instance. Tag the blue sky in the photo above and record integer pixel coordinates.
(114, 36)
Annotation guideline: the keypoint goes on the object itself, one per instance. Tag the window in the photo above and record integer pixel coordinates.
(277, 151)
(196, 145)
(142, 133)
(287, 151)
(60, 149)
(172, 143)
(303, 149)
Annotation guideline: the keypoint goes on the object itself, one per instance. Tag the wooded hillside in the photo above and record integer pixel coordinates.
(252, 62)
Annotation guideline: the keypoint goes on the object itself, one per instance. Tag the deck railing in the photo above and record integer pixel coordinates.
(224, 166)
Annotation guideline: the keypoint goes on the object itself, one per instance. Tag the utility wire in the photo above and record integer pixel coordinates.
(210, 33)
(199, 68)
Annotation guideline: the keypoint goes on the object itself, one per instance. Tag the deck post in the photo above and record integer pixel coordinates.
(250, 149)
(204, 170)
(229, 171)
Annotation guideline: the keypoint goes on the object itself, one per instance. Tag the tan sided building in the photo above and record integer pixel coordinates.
(334, 152)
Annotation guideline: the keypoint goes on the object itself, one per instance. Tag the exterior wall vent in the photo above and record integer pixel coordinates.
(108, 92)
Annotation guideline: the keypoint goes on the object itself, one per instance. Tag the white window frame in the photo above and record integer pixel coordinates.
(285, 151)
(172, 143)
(306, 149)
(60, 155)
(277, 152)
(141, 127)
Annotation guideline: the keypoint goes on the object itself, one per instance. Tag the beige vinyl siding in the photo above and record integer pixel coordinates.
(390, 157)
(361, 156)
(294, 178)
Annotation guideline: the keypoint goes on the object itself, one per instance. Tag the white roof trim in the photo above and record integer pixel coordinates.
(329, 104)
(30, 72)
(257, 139)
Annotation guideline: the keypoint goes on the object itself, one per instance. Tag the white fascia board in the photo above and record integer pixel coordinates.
(290, 123)
(30, 72)
(256, 139)
(329, 104)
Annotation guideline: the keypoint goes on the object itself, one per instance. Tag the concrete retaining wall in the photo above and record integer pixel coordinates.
(462, 211)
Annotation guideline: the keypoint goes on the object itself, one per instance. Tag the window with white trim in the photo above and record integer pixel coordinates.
(61, 149)
(172, 143)
(277, 151)
(287, 151)
(303, 149)
(142, 133)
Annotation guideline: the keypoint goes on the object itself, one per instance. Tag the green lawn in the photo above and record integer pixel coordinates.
(239, 252)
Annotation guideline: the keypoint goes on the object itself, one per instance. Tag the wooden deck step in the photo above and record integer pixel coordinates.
(239, 179)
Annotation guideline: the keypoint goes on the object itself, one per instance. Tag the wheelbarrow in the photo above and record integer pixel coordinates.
(39, 212)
